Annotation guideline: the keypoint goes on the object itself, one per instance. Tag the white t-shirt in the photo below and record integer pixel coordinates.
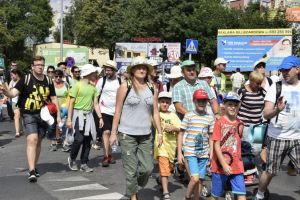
(237, 79)
(107, 101)
(288, 124)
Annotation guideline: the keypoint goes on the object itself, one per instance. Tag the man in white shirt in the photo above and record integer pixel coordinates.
(284, 129)
(237, 80)
(107, 86)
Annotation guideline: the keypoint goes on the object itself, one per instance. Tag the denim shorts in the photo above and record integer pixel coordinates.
(220, 180)
(197, 166)
(34, 124)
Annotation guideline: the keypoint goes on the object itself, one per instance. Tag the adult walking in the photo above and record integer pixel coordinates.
(237, 80)
(107, 87)
(16, 75)
(183, 91)
(33, 90)
(136, 105)
(252, 104)
(83, 98)
(283, 133)
(219, 78)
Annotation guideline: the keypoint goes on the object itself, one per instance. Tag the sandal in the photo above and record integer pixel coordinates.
(166, 196)
(188, 198)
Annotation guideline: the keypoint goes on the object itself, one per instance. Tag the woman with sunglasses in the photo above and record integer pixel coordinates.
(61, 90)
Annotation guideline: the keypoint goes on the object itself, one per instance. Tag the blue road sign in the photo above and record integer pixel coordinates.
(191, 46)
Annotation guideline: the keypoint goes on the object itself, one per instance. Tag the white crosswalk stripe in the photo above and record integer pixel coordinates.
(94, 186)
(109, 196)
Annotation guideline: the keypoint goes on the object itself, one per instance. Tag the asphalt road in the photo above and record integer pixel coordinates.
(57, 182)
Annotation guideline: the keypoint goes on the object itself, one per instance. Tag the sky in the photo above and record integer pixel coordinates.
(55, 4)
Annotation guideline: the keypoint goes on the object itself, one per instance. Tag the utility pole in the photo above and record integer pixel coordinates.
(61, 30)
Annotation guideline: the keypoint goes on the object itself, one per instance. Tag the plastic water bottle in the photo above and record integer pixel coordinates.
(114, 147)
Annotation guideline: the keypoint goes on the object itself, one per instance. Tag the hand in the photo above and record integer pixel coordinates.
(227, 169)
(217, 115)
(101, 123)
(113, 139)
(58, 119)
(69, 124)
(180, 159)
(160, 140)
(281, 104)
(168, 128)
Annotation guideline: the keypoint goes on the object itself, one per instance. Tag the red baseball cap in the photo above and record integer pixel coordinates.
(200, 94)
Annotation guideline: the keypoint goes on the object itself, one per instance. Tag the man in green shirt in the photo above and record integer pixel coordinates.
(84, 97)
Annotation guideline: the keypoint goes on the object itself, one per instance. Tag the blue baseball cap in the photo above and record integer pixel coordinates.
(289, 62)
(232, 96)
(187, 63)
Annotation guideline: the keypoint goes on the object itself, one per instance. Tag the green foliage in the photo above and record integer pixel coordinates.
(21, 19)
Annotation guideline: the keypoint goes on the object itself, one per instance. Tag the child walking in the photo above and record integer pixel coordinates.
(165, 153)
(227, 164)
(196, 128)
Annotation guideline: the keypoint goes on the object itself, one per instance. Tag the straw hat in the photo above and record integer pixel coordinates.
(139, 61)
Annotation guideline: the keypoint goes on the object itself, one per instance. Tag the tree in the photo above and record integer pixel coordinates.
(21, 19)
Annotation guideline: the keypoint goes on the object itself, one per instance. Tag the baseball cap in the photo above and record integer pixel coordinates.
(165, 95)
(205, 72)
(289, 62)
(187, 63)
(259, 62)
(232, 96)
(220, 61)
(200, 94)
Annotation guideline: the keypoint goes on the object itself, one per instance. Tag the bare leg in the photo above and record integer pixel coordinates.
(241, 197)
(17, 121)
(31, 149)
(133, 197)
(106, 145)
(264, 181)
(164, 183)
(38, 150)
(193, 186)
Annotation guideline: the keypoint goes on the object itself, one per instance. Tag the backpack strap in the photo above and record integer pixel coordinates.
(120, 81)
(270, 81)
(150, 86)
(129, 86)
(102, 86)
(278, 94)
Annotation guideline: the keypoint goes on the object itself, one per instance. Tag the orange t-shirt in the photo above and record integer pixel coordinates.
(229, 134)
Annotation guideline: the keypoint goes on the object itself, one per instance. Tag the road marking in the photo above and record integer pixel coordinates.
(95, 186)
(74, 178)
(109, 196)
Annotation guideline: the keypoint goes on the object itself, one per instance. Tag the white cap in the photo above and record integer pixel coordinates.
(205, 72)
(165, 95)
(45, 115)
(87, 69)
(175, 72)
(259, 61)
(220, 61)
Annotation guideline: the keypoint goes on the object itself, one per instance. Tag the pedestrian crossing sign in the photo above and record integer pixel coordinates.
(191, 46)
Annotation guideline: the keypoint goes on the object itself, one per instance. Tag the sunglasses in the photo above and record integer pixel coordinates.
(58, 76)
(50, 72)
(75, 72)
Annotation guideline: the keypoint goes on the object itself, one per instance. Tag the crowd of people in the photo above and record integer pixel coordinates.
(193, 119)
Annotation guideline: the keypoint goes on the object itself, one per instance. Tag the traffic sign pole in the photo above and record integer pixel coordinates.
(190, 56)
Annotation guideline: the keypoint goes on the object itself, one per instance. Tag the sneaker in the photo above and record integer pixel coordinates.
(72, 164)
(66, 148)
(37, 174)
(111, 160)
(105, 162)
(32, 176)
(53, 147)
(95, 146)
(85, 168)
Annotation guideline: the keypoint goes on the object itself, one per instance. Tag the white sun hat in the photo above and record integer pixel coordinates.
(205, 72)
(87, 69)
(45, 116)
(175, 72)
(165, 94)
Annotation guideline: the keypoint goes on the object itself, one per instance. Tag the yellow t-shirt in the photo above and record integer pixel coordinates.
(168, 148)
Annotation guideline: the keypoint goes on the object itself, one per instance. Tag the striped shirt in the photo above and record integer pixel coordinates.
(252, 104)
(183, 92)
(196, 136)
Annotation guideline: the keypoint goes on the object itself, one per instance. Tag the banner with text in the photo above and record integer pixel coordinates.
(243, 47)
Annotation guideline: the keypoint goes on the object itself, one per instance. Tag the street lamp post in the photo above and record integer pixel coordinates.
(61, 31)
